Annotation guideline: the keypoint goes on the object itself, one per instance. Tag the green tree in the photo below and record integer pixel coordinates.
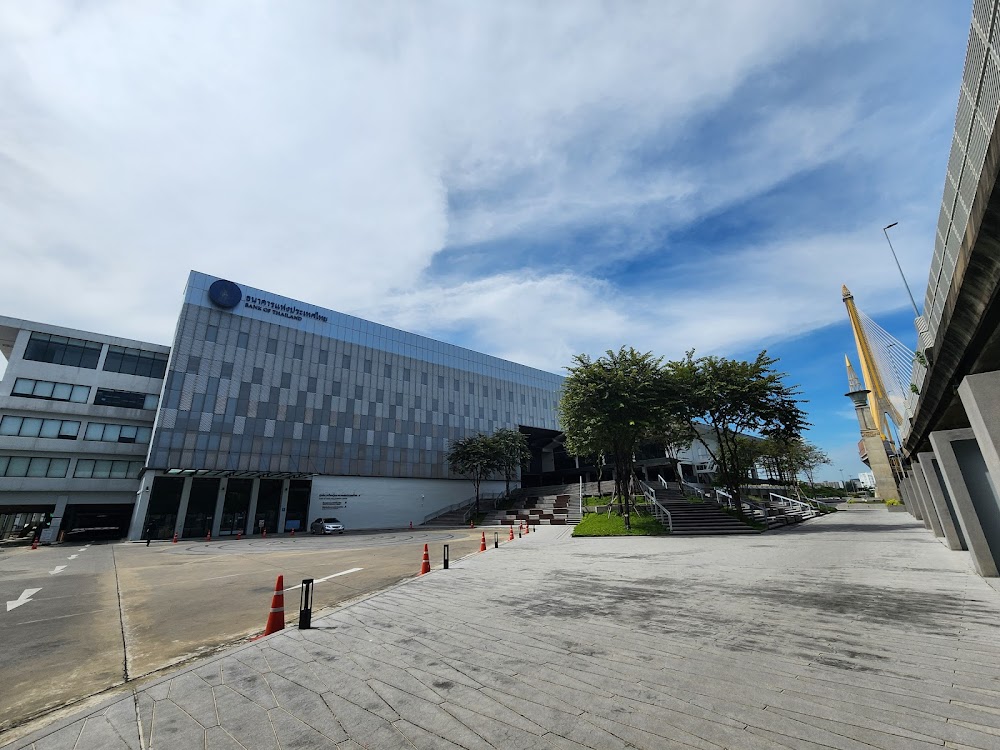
(476, 458)
(608, 405)
(512, 451)
(735, 398)
(807, 459)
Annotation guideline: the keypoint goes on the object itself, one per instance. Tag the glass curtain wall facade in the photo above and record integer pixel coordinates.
(269, 386)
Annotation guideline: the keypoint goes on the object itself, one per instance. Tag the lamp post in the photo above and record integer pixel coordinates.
(842, 482)
(885, 231)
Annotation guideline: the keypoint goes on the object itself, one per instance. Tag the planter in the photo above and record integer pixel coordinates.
(896, 508)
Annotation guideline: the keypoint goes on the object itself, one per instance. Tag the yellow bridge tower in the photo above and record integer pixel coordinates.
(873, 406)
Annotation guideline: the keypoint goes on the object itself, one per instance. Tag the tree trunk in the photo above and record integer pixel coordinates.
(622, 489)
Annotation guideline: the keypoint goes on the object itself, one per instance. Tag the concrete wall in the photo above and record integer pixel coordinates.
(72, 490)
(384, 503)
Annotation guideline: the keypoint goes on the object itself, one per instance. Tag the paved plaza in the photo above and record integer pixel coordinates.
(856, 630)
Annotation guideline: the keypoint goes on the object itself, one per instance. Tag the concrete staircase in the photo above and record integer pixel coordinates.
(699, 519)
(451, 518)
(548, 510)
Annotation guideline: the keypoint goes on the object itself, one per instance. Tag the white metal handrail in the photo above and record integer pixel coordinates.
(791, 502)
(449, 509)
(697, 490)
(753, 507)
(659, 512)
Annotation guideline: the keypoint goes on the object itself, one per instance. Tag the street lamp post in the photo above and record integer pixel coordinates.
(885, 231)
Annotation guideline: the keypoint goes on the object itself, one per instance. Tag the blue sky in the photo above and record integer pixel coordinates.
(532, 180)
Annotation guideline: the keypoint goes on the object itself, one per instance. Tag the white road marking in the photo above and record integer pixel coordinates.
(83, 549)
(216, 578)
(59, 617)
(58, 569)
(72, 557)
(320, 580)
(24, 598)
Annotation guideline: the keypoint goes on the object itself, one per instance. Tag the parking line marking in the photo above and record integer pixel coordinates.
(59, 617)
(320, 580)
(58, 569)
(216, 578)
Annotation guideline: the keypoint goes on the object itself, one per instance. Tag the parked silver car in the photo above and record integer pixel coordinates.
(326, 526)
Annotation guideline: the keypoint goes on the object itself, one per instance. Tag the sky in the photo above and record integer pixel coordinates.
(530, 180)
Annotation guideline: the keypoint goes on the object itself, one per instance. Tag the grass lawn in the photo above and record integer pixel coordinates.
(601, 524)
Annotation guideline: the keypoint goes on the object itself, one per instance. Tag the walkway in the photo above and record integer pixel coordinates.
(856, 630)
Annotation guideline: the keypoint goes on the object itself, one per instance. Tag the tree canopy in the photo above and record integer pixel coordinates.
(475, 458)
(478, 457)
(736, 398)
(609, 404)
(512, 451)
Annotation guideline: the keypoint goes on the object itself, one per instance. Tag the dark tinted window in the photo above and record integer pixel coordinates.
(60, 350)
(135, 362)
(124, 399)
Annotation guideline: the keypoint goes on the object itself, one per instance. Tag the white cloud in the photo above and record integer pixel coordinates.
(332, 151)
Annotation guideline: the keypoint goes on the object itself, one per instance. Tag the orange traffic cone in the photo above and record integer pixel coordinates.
(263, 532)
(511, 537)
(276, 617)
(34, 543)
(425, 566)
(239, 535)
(482, 544)
(293, 532)
(208, 537)
(527, 526)
(175, 538)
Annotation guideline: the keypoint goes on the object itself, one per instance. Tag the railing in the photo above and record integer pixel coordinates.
(756, 511)
(449, 509)
(469, 501)
(789, 502)
(494, 496)
(660, 513)
(687, 488)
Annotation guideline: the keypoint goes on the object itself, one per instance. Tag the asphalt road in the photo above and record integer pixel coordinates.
(78, 619)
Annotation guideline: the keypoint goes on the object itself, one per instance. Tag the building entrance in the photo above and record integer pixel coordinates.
(297, 508)
(236, 507)
(268, 506)
(104, 521)
(164, 502)
(201, 507)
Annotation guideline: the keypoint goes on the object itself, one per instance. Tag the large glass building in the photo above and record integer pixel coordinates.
(273, 412)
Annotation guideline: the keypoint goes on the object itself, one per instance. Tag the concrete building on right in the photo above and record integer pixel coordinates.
(951, 443)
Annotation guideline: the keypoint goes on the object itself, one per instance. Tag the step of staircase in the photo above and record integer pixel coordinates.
(452, 518)
(701, 519)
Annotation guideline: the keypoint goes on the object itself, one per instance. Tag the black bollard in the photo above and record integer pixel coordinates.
(446, 557)
(306, 604)
(496, 540)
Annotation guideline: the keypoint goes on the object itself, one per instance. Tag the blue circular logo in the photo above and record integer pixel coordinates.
(225, 294)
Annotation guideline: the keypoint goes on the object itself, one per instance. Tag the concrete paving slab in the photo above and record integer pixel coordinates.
(854, 631)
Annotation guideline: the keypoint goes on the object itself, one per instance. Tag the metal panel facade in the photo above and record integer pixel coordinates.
(276, 385)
